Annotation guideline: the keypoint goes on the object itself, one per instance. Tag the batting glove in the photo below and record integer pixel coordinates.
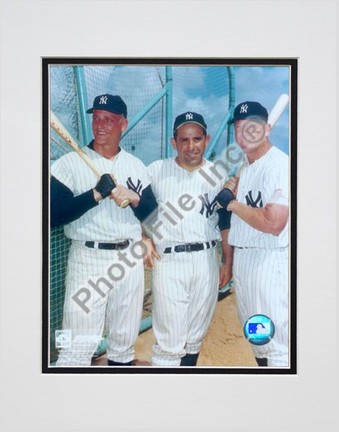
(225, 197)
(105, 185)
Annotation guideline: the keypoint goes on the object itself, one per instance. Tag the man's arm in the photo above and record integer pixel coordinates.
(270, 219)
(65, 207)
(225, 272)
(151, 251)
(147, 204)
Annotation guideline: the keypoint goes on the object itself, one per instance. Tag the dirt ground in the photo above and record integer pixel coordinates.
(223, 346)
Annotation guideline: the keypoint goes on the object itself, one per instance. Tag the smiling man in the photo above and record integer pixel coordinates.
(103, 237)
(187, 276)
(259, 202)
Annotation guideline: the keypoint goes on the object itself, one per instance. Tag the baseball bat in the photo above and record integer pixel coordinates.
(67, 137)
(278, 109)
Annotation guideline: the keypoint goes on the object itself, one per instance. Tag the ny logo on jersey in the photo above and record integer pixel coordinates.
(243, 108)
(135, 188)
(254, 203)
(103, 100)
(207, 207)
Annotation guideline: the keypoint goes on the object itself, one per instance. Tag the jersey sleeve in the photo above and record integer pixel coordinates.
(224, 221)
(153, 170)
(280, 193)
(147, 205)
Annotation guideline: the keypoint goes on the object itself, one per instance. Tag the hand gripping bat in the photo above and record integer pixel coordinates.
(67, 137)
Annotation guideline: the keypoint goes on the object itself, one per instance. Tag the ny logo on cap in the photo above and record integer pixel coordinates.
(189, 116)
(243, 108)
(103, 100)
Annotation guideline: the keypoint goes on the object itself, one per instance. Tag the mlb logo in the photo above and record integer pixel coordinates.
(259, 328)
(63, 338)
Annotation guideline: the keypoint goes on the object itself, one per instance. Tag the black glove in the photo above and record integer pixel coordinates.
(105, 185)
(225, 197)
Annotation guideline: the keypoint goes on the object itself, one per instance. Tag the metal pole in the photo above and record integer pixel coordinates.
(141, 114)
(217, 136)
(231, 102)
(169, 109)
(228, 117)
(83, 104)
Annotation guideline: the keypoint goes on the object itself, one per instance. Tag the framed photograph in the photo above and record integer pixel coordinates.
(271, 48)
(247, 321)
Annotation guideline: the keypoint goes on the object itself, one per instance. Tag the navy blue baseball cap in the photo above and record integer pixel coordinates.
(108, 102)
(250, 110)
(189, 117)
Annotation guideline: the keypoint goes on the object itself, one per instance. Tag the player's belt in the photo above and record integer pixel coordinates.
(191, 247)
(107, 246)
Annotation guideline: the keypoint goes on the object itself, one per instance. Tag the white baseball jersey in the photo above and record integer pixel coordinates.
(260, 263)
(264, 181)
(187, 205)
(103, 287)
(185, 284)
(106, 222)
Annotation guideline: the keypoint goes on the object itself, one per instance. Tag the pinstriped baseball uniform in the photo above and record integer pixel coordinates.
(260, 266)
(111, 281)
(185, 284)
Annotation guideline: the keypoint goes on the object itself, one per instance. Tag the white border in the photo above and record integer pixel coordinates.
(34, 402)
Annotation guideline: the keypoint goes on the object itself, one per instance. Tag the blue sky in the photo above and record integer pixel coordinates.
(265, 85)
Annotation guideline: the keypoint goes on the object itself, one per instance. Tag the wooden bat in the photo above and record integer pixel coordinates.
(278, 109)
(67, 137)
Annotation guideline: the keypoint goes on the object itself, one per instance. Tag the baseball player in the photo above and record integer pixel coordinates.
(105, 273)
(185, 280)
(259, 202)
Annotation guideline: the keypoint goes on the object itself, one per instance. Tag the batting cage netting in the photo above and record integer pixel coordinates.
(154, 95)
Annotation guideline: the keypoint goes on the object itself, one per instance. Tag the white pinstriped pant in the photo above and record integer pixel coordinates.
(262, 287)
(116, 302)
(185, 292)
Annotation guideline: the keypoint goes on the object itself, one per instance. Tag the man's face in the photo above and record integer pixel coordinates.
(250, 134)
(107, 127)
(190, 144)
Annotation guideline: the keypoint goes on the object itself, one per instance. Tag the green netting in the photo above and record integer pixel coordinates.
(58, 263)
(200, 89)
